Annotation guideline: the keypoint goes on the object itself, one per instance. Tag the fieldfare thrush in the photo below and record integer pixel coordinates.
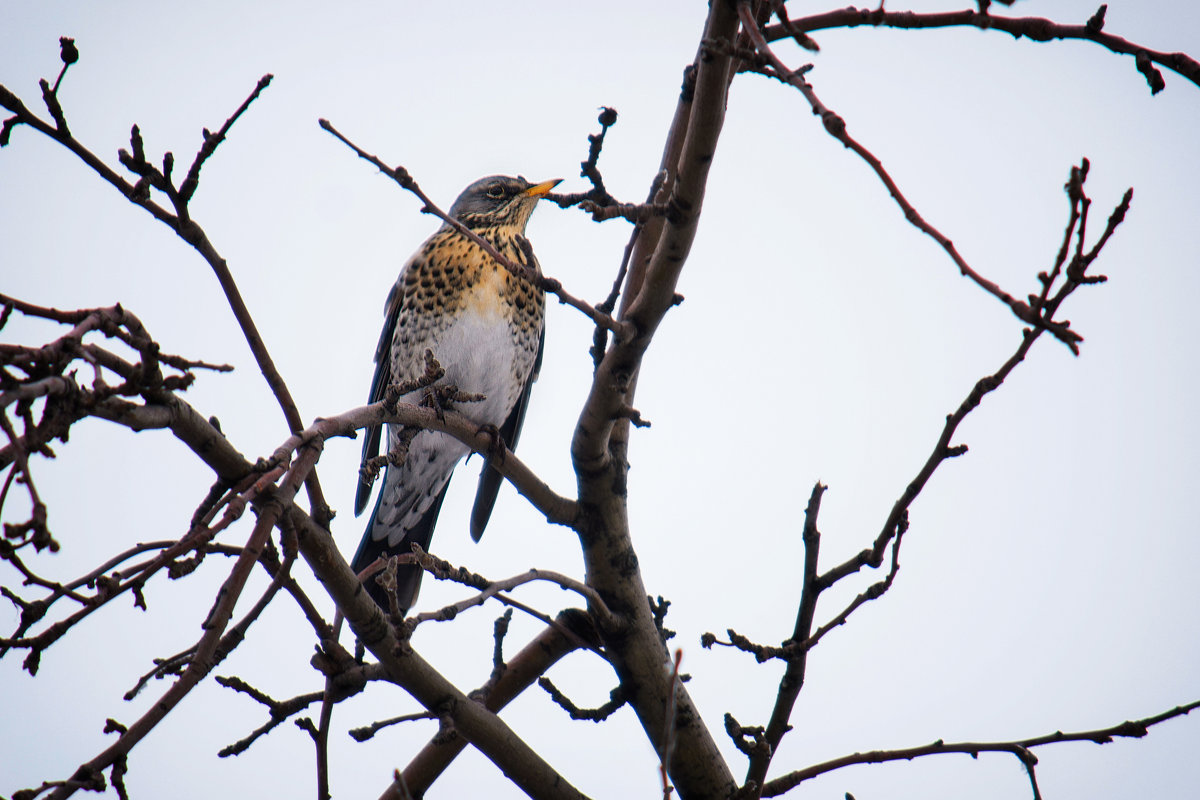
(486, 328)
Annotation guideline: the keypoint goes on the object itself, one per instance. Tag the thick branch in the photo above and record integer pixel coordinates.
(519, 674)
(487, 732)
(664, 707)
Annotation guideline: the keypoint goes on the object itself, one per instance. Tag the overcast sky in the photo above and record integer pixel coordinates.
(1049, 576)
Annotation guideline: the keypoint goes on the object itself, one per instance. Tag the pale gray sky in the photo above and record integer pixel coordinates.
(1049, 577)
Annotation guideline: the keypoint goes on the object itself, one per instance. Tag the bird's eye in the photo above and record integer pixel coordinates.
(495, 191)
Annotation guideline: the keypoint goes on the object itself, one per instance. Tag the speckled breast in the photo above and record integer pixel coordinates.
(482, 322)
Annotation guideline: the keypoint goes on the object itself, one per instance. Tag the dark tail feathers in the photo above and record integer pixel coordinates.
(408, 576)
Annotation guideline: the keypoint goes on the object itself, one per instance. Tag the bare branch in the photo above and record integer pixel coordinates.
(546, 649)
(368, 731)
(872, 592)
(212, 140)
(1020, 748)
(557, 508)
(444, 570)
(898, 517)
(696, 765)
(616, 699)
(739, 734)
(485, 730)
(597, 201)
(190, 232)
(793, 677)
(1037, 29)
(279, 711)
(836, 127)
(212, 645)
(108, 588)
(35, 528)
(401, 176)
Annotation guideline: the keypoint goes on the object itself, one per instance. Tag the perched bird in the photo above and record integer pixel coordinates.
(486, 327)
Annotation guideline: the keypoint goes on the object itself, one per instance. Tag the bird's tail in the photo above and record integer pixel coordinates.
(375, 545)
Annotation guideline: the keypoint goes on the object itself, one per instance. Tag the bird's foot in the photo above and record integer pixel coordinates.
(433, 373)
(444, 397)
(439, 398)
(455, 396)
(496, 447)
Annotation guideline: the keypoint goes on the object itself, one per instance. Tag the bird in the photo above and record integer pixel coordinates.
(486, 328)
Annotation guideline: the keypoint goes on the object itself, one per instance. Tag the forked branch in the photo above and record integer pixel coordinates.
(1059, 283)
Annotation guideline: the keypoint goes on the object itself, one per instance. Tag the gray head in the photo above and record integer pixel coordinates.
(499, 200)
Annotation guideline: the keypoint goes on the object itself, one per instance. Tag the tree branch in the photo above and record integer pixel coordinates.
(558, 509)
(189, 231)
(793, 677)
(836, 127)
(487, 732)
(663, 705)
(401, 176)
(208, 649)
(444, 570)
(574, 628)
(1037, 29)
(1019, 747)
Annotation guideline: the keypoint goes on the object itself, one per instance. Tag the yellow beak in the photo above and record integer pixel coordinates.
(541, 189)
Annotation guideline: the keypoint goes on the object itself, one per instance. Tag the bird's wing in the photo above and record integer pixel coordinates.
(379, 384)
(489, 478)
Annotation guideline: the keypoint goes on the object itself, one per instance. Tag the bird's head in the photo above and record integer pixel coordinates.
(499, 201)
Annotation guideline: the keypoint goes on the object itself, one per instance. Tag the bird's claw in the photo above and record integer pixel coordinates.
(496, 448)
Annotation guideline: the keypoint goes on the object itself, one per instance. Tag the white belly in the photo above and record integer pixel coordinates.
(480, 356)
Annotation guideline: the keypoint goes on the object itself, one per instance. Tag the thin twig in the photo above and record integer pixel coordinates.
(794, 674)
(211, 644)
(1036, 29)
(835, 125)
(211, 140)
(444, 570)
(1019, 747)
(401, 176)
(616, 699)
(367, 731)
(189, 231)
